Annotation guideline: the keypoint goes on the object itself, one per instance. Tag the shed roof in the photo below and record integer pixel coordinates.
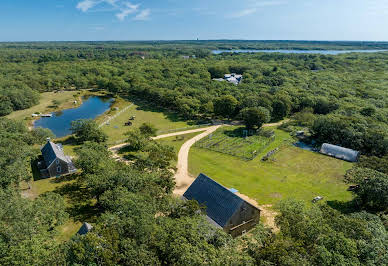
(85, 228)
(340, 152)
(220, 202)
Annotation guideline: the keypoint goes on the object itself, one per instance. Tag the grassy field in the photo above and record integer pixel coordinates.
(116, 129)
(293, 173)
(65, 99)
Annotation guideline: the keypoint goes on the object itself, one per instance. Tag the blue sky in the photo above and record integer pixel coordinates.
(56, 20)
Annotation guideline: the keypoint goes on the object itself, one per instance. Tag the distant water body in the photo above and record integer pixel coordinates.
(325, 52)
(60, 122)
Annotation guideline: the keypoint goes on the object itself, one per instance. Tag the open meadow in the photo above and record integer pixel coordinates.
(49, 102)
(164, 121)
(291, 172)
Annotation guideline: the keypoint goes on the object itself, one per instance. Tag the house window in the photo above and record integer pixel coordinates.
(59, 169)
(57, 161)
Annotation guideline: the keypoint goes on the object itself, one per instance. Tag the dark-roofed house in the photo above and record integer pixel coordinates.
(85, 228)
(223, 208)
(340, 152)
(55, 163)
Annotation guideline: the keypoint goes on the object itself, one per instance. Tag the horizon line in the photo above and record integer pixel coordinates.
(196, 40)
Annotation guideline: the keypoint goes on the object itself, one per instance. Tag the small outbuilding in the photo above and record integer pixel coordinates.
(340, 152)
(224, 208)
(85, 228)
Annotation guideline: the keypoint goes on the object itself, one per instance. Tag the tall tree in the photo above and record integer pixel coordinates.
(87, 130)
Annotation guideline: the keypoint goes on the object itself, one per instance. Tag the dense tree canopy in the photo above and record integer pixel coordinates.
(87, 130)
(341, 99)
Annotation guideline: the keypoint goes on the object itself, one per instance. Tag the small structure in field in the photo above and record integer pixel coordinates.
(85, 228)
(224, 208)
(340, 152)
(55, 163)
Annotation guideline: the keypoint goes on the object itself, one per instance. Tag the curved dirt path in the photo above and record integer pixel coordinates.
(115, 149)
(182, 178)
(120, 146)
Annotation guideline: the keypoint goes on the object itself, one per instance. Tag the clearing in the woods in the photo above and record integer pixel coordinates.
(291, 172)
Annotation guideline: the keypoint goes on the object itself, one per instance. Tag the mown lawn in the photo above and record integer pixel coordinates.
(65, 99)
(293, 173)
(116, 129)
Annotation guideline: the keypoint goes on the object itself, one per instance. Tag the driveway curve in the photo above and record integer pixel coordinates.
(182, 178)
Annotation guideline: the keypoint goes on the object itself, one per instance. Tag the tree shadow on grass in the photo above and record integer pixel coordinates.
(36, 175)
(81, 205)
(344, 207)
(70, 140)
(65, 178)
(235, 133)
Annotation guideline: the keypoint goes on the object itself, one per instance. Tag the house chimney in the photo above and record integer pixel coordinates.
(48, 139)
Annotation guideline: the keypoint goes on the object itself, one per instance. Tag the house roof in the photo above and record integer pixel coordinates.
(340, 152)
(52, 151)
(220, 202)
(85, 228)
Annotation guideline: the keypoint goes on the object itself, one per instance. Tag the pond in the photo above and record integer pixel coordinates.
(60, 122)
(325, 52)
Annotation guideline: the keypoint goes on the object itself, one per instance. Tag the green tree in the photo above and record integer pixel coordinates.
(225, 106)
(148, 130)
(87, 130)
(255, 116)
(40, 135)
(373, 193)
(280, 110)
(6, 106)
(27, 228)
(16, 153)
(136, 140)
(92, 157)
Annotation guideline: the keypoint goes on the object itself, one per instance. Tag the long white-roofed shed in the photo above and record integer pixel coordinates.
(340, 152)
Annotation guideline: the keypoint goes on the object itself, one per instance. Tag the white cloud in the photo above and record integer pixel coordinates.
(123, 8)
(143, 15)
(254, 7)
(87, 4)
(126, 11)
(243, 13)
(269, 3)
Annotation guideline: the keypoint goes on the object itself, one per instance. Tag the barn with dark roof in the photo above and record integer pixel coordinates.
(223, 207)
(55, 162)
(340, 152)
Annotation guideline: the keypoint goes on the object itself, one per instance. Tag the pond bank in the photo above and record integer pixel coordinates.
(91, 107)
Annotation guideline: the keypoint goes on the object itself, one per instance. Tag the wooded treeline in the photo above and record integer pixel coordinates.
(139, 222)
(342, 99)
(346, 94)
